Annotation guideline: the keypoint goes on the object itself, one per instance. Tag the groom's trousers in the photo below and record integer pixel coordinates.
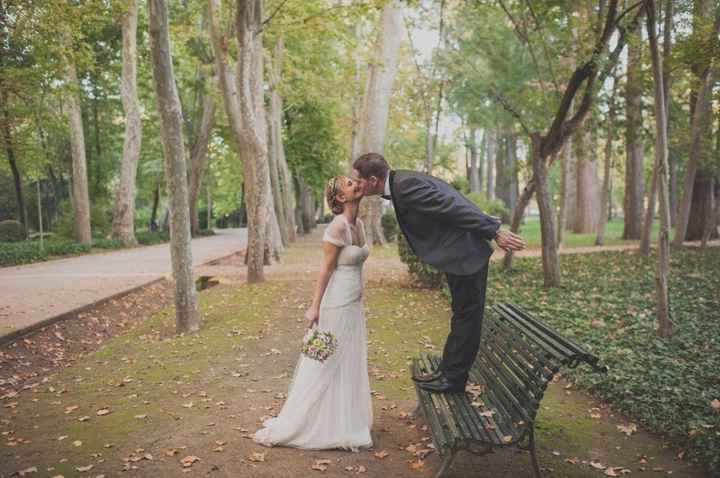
(468, 306)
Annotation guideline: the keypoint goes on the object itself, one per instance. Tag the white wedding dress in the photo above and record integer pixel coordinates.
(329, 404)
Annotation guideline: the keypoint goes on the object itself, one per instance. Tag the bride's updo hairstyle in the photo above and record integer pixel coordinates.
(332, 189)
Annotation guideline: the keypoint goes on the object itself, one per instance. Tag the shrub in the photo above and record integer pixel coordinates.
(12, 231)
(65, 248)
(16, 253)
(148, 238)
(100, 220)
(423, 274)
(493, 207)
(108, 243)
(25, 252)
(390, 225)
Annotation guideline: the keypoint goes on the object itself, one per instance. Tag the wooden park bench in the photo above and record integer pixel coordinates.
(518, 358)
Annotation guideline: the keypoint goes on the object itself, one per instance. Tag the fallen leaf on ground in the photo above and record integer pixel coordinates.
(189, 460)
(257, 457)
(321, 465)
(27, 471)
(83, 469)
(381, 455)
(628, 430)
(103, 411)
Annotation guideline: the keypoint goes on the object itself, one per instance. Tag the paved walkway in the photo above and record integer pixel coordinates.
(36, 293)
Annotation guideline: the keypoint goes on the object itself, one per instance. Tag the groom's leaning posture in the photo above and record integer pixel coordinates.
(449, 232)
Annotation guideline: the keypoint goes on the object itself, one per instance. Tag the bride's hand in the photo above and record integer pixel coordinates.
(311, 317)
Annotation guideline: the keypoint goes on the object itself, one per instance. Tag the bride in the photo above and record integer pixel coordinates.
(328, 404)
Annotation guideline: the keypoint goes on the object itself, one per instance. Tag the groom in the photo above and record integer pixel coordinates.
(452, 234)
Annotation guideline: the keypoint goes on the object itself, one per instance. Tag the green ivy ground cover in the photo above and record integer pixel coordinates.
(607, 303)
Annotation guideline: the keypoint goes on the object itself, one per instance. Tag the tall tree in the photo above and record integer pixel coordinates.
(376, 103)
(199, 154)
(124, 214)
(80, 196)
(700, 107)
(661, 165)
(277, 150)
(490, 152)
(10, 154)
(646, 232)
(635, 147)
(587, 214)
(607, 164)
(187, 314)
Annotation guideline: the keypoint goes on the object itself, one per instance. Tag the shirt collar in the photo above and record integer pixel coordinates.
(387, 185)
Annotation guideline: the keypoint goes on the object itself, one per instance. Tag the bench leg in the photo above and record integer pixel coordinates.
(418, 411)
(446, 463)
(533, 454)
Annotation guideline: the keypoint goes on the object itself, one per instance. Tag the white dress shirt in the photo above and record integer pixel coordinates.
(387, 185)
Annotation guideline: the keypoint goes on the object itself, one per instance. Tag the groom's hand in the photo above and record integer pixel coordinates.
(509, 241)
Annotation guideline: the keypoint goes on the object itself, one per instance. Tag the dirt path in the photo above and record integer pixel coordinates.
(169, 399)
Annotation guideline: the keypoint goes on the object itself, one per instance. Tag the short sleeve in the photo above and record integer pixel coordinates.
(336, 233)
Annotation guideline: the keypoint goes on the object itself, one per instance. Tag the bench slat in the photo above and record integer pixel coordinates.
(531, 374)
(553, 348)
(468, 412)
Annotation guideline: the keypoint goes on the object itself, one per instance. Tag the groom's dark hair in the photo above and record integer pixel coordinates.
(372, 164)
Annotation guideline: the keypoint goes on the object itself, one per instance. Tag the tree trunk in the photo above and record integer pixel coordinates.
(474, 178)
(634, 173)
(587, 190)
(672, 160)
(376, 104)
(570, 173)
(646, 233)
(80, 196)
(156, 203)
(665, 326)
(565, 160)
(699, 133)
(17, 179)
(356, 101)
(239, 95)
(280, 199)
(517, 216)
(512, 170)
(607, 167)
(491, 151)
(711, 220)
(124, 215)
(307, 209)
(550, 258)
(199, 157)
(187, 315)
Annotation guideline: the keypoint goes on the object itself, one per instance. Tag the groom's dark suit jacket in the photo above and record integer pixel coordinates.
(443, 227)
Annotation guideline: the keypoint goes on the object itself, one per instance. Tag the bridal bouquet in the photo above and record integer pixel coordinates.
(319, 345)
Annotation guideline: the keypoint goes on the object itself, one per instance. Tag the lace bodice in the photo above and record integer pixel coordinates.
(338, 233)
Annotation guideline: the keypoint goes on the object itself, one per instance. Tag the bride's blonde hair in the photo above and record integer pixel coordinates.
(332, 189)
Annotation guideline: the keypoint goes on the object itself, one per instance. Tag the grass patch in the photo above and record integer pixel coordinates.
(146, 376)
(530, 230)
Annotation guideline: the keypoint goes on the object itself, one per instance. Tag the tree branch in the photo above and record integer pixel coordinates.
(275, 12)
(509, 108)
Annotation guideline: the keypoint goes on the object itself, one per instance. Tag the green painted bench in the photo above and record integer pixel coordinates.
(518, 358)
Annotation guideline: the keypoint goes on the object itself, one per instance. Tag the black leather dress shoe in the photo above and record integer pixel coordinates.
(428, 377)
(442, 385)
